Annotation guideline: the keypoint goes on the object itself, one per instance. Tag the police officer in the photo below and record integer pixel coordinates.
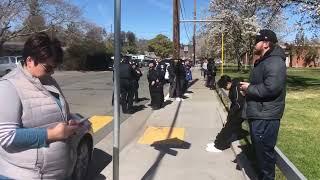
(127, 75)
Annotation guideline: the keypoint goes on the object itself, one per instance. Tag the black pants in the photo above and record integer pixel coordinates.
(229, 132)
(136, 90)
(264, 135)
(211, 81)
(126, 94)
(179, 87)
(172, 89)
(157, 96)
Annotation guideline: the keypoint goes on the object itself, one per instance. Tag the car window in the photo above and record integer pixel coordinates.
(4, 60)
(19, 58)
(13, 59)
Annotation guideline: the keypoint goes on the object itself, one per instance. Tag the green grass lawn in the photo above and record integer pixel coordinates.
(300, 127)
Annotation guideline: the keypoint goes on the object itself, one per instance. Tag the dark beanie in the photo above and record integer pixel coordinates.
(266, 35)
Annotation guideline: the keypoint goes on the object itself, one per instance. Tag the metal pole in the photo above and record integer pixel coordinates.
(194, 33)
(222, 53)
(116, 107)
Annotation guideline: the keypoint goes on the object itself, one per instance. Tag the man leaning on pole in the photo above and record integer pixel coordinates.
(265, 97)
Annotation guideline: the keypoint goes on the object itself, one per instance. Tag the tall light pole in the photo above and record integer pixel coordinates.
(176, 29)
(116, 88)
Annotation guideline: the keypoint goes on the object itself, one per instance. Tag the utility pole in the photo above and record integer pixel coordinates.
(194, 32)
(176, 29)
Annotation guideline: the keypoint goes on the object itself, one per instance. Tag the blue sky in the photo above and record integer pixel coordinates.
(146, 18)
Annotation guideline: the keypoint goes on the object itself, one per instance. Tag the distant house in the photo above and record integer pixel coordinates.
(300, 58)
(150, 55)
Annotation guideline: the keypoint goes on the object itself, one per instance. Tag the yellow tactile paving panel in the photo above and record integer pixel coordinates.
(99, 122)
(153, 134)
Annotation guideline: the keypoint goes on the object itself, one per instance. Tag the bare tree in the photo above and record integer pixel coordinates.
(18, 16)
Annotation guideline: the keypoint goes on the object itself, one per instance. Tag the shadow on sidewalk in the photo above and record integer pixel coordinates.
(193, 82)
(247, 161)
(164, 147)
(99, 161)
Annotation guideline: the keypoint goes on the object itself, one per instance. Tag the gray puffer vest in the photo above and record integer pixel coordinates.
(39, 110)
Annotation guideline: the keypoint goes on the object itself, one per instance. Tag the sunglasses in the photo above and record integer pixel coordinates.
(47, 68)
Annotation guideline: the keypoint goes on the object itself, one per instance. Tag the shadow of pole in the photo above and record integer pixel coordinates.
(163, 150)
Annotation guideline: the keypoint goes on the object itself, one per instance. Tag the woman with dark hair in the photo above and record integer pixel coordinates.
(232, 128)
(35, 125)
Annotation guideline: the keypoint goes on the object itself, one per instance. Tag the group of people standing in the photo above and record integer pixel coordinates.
(176, 72)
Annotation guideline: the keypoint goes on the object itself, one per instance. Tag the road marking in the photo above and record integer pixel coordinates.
(153, 134)
(98, 122)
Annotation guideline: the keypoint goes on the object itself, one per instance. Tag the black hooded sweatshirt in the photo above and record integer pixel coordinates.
(267, 90)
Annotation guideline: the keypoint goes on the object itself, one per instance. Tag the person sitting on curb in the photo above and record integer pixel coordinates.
(232, 129)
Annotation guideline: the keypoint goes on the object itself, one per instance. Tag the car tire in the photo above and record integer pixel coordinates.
(81, 167)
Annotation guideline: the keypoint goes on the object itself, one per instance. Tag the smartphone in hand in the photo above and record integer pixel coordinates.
(78, 118)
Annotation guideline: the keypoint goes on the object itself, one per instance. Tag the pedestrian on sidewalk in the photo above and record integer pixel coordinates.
(35, 126)
(265, 97)
(188, 74)
(205, 68)
(232, 129)
(172, 77)
(155, 87)
(137, 76)
(211, 74)
(180, 79)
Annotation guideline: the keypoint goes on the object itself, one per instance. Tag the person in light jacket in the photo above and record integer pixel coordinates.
(35, 125)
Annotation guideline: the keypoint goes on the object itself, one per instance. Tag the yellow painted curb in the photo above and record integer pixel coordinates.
(98, 122)
(153, 134)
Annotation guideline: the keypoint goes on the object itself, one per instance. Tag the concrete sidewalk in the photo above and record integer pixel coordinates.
(188, 126)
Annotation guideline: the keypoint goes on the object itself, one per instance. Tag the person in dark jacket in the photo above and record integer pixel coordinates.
(137, 75)
(127, 75)
(232, 129)
(188, 78)
(180, 79)
(211, 74)
(155, 87)
(265, 97)
(172, 77)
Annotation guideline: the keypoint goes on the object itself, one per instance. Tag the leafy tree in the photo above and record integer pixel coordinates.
(161, 45)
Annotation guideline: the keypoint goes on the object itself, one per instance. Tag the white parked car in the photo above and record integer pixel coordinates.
(8, 63)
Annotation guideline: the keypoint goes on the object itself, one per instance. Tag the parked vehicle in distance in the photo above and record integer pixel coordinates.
(8, 63)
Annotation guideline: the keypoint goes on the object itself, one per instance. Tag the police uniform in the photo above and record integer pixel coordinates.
(126, 86)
